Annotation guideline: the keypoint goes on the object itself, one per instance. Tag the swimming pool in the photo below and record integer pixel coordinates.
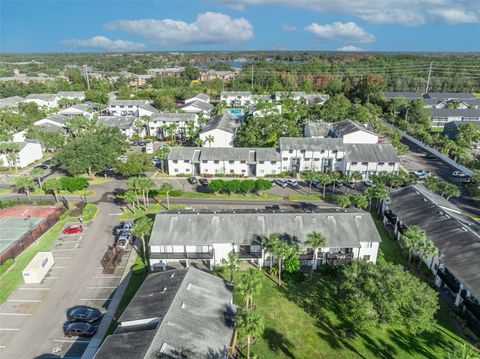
(236, 112)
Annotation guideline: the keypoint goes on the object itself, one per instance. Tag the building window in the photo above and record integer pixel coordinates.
(216, 162)
(354, 163)
(243, 161)
(232, 171)
(381, 163)
(290, 151)
(334, 152)
(369, 245)
(364, 163)
(231, 162)
(316, 159)
(322, 151)
(366, 257)
(186, 161)
(243, 171)
(187, 170)
(261, 162)
(285, 159)
(204, 161)
(175, 161)
(391, 163)
(273, 162)
(176, 170)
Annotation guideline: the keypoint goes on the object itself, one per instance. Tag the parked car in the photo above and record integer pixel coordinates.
(316, 184)
(47, 162)
(458, 174)
(141, 143)
(124, 236)
(281, 182)
(192, 180)
(43, 166)
(203, 181)
(83, 313)
(351, 184)
(368, 183)
(274, 207)
(123, 159)
(73, 229)
(422, 174)
(123, 227)
(292, 183)
(79, 329)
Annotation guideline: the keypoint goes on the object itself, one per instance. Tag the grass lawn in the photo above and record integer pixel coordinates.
(4, 191)
(89, 193)
(10, 280)
(97, 180)
(303, 321)
(89, 213)
(154, 208)
(305, 197)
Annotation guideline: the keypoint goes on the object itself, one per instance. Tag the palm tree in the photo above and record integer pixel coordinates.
(130, 197)
(53, 186)
(145, 185)
(412, 238)
(269, 243)
(281, 251)
(426, 248)
(334, 177)
(369, 193)
(133, 184)
(343, 201)
(324, 180)
(315, 240)
(250, 324)
(360, 201)
(232, 263)
(309, 176)
(26, 183)
(380, 193)
(37, 173)
(356, 176)
(209, 139)
(141, 229)
(167, 187)
(250, 284)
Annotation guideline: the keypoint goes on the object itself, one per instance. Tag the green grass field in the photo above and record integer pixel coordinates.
(155, 208)
(248, 196)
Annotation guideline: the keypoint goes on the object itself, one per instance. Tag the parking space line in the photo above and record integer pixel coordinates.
(25, 288)
(16, 314)
(100, 287)
(2, 346)
(97, 299)
(68, 242)
(10, 329)
(58, 258)
(58, 267)
(24, 300)
(109, 277)
(64, 249)
(50, 278)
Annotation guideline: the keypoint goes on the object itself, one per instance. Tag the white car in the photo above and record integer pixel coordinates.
(122, 243)
(292, 183)
(458, 174)
(422, 174)
(281, 182)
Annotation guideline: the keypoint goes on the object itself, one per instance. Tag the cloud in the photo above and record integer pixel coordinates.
(405, 12)
(338, 31)
(349, 48)
(104, 43)
(208, 28)
(455, 16)
(288, 27)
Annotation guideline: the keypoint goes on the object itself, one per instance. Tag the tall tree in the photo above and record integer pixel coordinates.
(141, 229)
(249, 285)
(232, 263)
(315, 240)
(324, 180)
(413, 237)
(53, 186)
(426, 248)
(37, 173)
(250, 324)
(25, 183)
(281, 250)
(167, 187)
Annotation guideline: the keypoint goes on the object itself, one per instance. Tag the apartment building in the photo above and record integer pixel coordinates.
(126, 124)
(236, 98)
(444, 115)
(125, 107)
(26, 153)
(220, 131)
(209, 237)
(162, 124)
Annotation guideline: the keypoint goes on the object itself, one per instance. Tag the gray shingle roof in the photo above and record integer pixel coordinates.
(173, 117)
(368, 152)
(224, 122)
(183, 153)
(204, 106)
(202, 96)
(196, 154)
(42, 96)
(127, 102)
(12, 101)
(267, 154)
(195, 312)
(447, 112)
(449, 95)
(406, 95)
(60, 119)
(235, 93)
(225, 154)
(348, 126)
(341, 229)
(456, 240)
(318, 129)
(310, 144)
(149, 107)
(77, 94)
(123, 122)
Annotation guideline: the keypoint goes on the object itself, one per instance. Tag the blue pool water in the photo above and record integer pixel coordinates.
(236, 112)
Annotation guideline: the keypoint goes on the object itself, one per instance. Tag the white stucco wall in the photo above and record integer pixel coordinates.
(221, 138)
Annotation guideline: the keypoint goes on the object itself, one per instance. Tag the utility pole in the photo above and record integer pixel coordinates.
(252, 77)
(429, 74)
(86, 76)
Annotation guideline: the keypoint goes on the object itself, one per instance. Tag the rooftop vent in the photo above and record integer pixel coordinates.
(172, 275)
(189, 286)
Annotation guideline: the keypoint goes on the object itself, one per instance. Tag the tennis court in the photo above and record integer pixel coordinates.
(20, 226)
(13, 230)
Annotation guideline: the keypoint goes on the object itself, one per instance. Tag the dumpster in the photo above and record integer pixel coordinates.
(38, 267)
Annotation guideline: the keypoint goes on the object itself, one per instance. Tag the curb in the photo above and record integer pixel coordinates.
(97, 340)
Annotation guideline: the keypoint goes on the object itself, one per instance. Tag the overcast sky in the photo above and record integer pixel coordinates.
(132, 25)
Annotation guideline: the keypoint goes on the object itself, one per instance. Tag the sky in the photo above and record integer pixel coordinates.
(191, 25)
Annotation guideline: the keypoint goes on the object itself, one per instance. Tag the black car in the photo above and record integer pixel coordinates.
(42, 166)
(83, 313)
(79, 329)
(203, 181)
(192, 180)
(274, 207)
(123, 227)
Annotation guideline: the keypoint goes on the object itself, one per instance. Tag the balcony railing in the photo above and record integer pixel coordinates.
(182, 255)
(449, 280)
(249, 255)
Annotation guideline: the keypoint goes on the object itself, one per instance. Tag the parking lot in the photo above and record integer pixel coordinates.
(31, 320)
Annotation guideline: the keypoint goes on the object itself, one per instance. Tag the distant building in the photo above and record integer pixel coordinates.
(236, 98)
(198, 97)
(11, 102)
(217, 75)
(43, 100)
(167, 71)
(441, 116)
(178, 123)
(28, 153)
(220, 131)
(352, 132)
(182, 313)
(125, 107)
(317, 129)
(126, 124)
(404, 95)
(82, 109)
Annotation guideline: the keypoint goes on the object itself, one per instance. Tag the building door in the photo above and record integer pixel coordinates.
(196, 169)
(295, 165)
(252, 170)
(327, 165)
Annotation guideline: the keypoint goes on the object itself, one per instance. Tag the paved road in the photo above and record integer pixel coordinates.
(31, 320)
(418, 159)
